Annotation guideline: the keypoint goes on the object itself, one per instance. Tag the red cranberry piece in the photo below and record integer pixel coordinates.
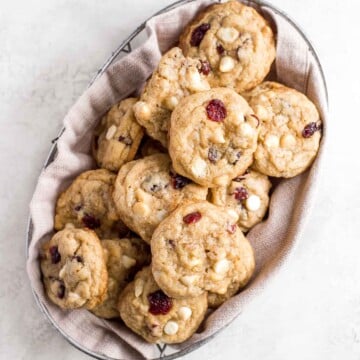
(61, 290)
(216, 110)
(160, 303)
(213, 155)
(231, 229)
(126, 140)
(192, 218)
(220, 49)
(90, 221)
(178, 181)
(198, 34)
(55, 255)
(241, 194)
(310, 129)
(205, 67)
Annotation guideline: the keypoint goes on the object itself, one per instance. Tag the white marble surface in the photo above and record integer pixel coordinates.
(48, 52)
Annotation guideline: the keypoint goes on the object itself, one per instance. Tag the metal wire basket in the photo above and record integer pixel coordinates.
(125, 48)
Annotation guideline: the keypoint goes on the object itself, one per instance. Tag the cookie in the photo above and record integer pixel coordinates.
(88, 203)
(199, 248)
(247, 195)
(151, 147)
(124, 257)
(175, 77)
(213, 136)
(74, 269)
(117, 138)
(236, 42)
(290, 130)
(150, 313)
(147, 190)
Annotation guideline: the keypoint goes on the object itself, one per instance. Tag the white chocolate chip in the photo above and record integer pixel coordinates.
(193, 261)
(253, 203)
(75, 298)
(195, 83)
(171, 328)
(185, 313)
(111, 132)
(234, 215)
(227, 63)
(287, 141)
(272, 141)
(239, 117)
(188, 280)
(221, 180)
(142, 110)
(217, 136)
(62, 272)
(199, 167)
(171, 102)
(222, 266)
(246, 130)
(141, 195)
(128, 262)
(227, 34)
(139, 287)
(141, 209)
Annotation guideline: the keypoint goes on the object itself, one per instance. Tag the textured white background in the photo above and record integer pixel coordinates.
(49, 50)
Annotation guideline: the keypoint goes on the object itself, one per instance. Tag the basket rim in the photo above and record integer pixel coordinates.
(125, 46)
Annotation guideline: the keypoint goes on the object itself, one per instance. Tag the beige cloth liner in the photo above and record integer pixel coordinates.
(273, 240)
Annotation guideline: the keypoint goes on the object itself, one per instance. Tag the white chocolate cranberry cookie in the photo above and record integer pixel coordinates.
(124, 257)
(290, 130)
(213, 136)
(74, 269)
(147, 190)
(175, 77)
(150, 313)
(247, 195)
(88, 203)
(199, 248)
(117, 137)
(236, 42)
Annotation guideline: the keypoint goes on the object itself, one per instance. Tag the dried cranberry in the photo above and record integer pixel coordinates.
(205, 67)
(178, 181)
(126, 140)
(90, 221)
(231, 229)
(213, 155)
(198, 34)
(216, 110)
(192, 218)
(310, 129)
(220, 49)
(160, 303)
(241, 194)
(55, 255)
(61, 290)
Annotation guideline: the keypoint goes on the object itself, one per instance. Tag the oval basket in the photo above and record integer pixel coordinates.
(126, 47)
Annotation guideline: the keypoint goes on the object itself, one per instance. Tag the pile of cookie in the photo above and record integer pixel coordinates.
(155, 235)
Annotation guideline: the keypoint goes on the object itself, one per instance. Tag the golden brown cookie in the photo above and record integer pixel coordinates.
(199, 248)
(236, 42)
(74, 269)
(147, 190)
(290, 130)
(247, 195)
(175, 77)
(213, 136)
(124, 257)
(117, 138)
(156, 317)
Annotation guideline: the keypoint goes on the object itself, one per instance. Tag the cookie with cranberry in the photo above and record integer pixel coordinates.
(150, 313)
(235, 40)
(124, 257)
(117, 138)
(147, 190)
(247, 195)
(213, 136)
(199, 248)
(87, 202)
(74, 269)
(175, 77)
(290, 130)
